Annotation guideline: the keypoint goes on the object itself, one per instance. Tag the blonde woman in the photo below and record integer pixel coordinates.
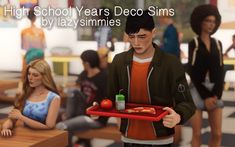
(39, 104)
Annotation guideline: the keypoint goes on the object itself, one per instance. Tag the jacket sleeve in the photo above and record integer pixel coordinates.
(202, 90)
(219, 83)
(182, 99)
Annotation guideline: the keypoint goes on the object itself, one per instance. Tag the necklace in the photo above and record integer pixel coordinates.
(39, 94)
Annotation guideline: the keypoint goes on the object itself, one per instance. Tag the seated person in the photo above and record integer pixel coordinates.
(39, 104)
(92, 83)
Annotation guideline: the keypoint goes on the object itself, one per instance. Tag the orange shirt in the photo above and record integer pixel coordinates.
(140, 129)
(33, 38)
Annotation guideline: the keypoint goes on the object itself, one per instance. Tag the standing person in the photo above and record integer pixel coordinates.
(104, 32)
(33, 36)
(39, 104)
(170, 36)
(206, 73)
(146, 75)
(93, 86)
(232, 46)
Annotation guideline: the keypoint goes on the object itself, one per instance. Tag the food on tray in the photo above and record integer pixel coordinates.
(106, 104)
(148, 110)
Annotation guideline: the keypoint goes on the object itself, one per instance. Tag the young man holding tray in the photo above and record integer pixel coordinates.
(147, 75)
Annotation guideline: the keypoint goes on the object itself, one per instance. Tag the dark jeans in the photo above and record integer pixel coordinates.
(76, 103)
(76, 121)
(145, 145)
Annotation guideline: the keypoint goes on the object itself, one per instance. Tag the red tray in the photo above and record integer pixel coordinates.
(96, 110)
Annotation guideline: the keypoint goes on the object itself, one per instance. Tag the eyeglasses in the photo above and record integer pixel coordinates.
(209, 21)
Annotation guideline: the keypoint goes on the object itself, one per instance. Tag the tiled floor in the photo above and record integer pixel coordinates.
(228, 128)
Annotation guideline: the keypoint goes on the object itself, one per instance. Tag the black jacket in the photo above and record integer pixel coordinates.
(167, 85)
(202, 61)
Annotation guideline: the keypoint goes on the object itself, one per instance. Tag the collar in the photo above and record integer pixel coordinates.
(156, 57)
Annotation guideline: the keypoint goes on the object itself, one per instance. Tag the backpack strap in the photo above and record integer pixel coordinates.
(220, 52)
(195, 50)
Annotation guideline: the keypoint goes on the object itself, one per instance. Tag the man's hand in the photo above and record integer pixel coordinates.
(210, 103)
(15, 114)
(172, 119)
(93, 116)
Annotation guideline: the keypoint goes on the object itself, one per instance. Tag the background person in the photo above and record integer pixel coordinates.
(170, 40)
(33, 36)
(104, 32)
(232, 46)
(39, 104)
(93, 87)
(206, 73)
(228, 67)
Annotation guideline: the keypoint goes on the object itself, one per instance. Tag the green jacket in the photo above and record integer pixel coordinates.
(166, 83)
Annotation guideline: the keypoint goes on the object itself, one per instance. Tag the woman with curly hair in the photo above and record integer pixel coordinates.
(206, 73)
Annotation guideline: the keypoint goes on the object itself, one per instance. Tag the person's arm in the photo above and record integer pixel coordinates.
(22, 40)
(8, 124)
(230, 48)
(50, 120)
(182, 99)
(23, 44)
(219, 83)
(7, 127)
(43, 39)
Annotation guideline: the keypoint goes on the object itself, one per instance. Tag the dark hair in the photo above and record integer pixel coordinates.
(31, 15)
(91, 57)
(234, 36)
(200, 13)
(135, 23)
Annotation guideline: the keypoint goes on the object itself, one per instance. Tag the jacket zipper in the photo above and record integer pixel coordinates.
(150, 96)
(128, 74)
